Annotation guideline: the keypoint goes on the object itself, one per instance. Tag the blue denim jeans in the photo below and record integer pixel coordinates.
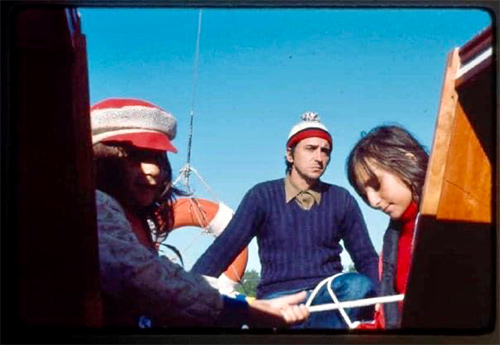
(346, 287)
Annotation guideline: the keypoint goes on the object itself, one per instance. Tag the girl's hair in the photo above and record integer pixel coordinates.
(393, 149)
(110, 164)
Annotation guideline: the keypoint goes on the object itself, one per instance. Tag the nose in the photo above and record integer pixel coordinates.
(151, 170)
(373, 198)
(318, 155)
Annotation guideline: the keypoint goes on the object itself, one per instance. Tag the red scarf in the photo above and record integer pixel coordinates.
(404, 246)
(407, 220)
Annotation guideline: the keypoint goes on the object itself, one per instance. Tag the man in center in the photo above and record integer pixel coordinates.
(299, 222)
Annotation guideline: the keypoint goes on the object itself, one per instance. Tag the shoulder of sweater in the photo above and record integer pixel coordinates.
(336, 189)
(279, 184)
(105, 200)
(260, 190)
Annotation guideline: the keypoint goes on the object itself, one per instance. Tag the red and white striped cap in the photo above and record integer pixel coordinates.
(310, 126)
(134, 122)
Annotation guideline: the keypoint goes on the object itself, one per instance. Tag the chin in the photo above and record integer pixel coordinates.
(144, 197)
(315, 175)
(396, 216)
(144, 201)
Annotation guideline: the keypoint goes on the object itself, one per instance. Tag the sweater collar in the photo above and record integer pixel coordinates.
(410, 213)
(292, 191)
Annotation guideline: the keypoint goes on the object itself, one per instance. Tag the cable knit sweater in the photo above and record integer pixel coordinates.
(297, 248)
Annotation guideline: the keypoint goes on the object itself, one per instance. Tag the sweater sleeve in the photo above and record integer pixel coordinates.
(138, 282)
(237, 235)
(358, 243)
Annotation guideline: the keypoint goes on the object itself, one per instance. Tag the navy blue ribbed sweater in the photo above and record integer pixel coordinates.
(297, 248)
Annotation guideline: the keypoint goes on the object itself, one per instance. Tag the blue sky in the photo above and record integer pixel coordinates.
(259, 69)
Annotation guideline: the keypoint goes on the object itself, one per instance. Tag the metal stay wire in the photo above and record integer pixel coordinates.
(187, 168)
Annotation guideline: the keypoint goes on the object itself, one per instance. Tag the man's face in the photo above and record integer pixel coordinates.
(310, 158)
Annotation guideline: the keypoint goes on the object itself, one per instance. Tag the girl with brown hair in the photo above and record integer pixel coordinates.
(387, 169)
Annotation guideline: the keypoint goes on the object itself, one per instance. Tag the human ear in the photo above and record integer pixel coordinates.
(289, 155)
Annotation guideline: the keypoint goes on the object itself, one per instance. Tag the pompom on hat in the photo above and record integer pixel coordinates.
(309, 126)
(134, 122)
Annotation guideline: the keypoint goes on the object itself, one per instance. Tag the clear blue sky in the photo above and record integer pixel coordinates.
(260, 69)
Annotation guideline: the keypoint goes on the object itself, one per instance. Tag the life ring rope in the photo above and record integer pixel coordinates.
(205, 230)
(212, 218)
(199, 215)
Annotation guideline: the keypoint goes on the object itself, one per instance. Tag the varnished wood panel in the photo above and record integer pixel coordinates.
(451, 286)
(442, 134)
(466, 192)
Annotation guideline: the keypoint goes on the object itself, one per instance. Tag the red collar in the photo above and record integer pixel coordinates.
(410, 213)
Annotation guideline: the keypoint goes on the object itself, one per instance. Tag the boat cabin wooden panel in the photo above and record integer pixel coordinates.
(453, 274)
(50, 167)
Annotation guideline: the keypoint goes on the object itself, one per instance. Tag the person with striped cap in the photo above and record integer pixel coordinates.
(134, 196)
(299, 222)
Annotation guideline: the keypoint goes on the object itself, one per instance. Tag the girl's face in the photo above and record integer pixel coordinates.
(143, 179)
(385, 191)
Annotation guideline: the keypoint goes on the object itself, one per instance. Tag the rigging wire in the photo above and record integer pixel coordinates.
(187, 170)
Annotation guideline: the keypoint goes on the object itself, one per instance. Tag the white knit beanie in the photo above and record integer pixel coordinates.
(309, 126)
(134, 122)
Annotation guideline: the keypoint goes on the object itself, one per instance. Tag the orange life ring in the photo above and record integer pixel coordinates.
(214, 217)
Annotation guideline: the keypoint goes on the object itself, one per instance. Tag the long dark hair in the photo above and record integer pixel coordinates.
(393, 149)
(110, 163)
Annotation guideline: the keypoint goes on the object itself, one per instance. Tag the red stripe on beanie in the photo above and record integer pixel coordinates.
(309, 133)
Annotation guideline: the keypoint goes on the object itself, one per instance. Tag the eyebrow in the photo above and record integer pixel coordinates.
(320, 146)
